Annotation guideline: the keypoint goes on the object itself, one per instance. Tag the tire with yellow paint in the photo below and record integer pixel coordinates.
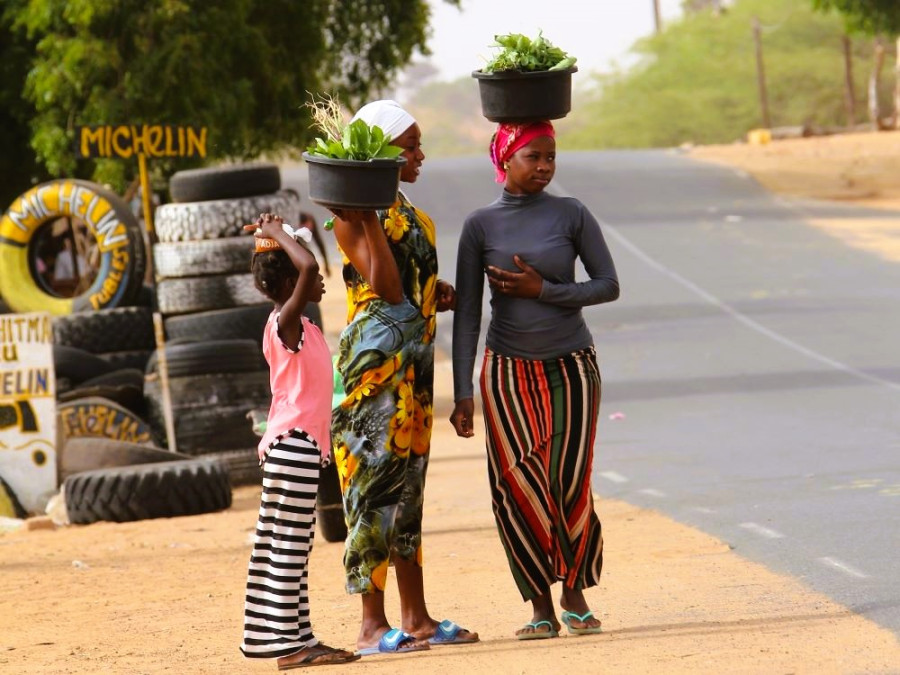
(109, 219)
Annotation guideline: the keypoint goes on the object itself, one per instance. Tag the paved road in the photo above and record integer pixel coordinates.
(750, 366)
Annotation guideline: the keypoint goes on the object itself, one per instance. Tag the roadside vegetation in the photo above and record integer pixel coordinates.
(697, 82)
(240, 68)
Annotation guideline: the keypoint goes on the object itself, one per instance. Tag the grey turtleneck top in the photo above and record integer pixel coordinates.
(549, 233)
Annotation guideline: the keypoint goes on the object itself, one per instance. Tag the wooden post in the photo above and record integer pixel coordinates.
(761, 75)
(162, 372)
(874, 76)
(897, 88)
(849, 88)
(146, 194)
(657, 17)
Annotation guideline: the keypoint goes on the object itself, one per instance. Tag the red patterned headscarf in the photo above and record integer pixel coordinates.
(511, 137)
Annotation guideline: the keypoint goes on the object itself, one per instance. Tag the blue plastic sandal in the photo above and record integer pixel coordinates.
(568, 617)
(391, 643)
(448, 633)
(536, 634)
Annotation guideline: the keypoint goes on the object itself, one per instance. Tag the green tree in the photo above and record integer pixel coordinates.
(18, 165)
(872, 17)
(875, 18)
(241, 68)
(696, 81)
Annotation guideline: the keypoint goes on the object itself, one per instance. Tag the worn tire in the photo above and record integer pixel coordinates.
(159, 490)
(198, 294)
(193, 221)
(200, 431)
(129, 359)
(229, 255)
(209, 411)
(224, 182)
(243, 465)
(122, 258)
(106, 330)
(247, 323)
(77, 365)
(330, 505)
(210, 357)
(84, 453)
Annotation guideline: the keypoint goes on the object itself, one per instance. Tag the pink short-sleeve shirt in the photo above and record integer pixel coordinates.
(302, 384)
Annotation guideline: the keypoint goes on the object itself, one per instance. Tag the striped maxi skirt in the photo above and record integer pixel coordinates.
(541, 421)
(276, 607)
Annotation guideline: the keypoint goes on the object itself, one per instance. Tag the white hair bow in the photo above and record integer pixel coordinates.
(303, 233)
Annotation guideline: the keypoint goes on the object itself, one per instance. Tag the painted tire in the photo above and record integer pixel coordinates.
(113, 225)
(96, 417)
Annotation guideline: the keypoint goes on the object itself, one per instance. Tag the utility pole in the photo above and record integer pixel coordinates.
(657, 16)
(761, 75)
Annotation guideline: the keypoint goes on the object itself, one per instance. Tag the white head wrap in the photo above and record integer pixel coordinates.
(386, 115)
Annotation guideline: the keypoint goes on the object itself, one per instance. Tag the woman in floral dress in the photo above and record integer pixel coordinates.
(381, 432)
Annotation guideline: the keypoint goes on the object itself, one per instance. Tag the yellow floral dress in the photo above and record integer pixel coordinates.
(381, 431)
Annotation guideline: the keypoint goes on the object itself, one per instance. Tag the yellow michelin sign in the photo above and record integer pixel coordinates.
(148, 140)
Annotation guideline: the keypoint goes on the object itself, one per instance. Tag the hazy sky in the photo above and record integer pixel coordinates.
(594, 31)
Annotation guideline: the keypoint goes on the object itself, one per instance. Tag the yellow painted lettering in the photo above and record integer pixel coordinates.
(122, 150)
(196, 141)
(91, 138)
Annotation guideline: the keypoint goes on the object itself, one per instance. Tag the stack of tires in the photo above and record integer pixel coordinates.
(103, 338)
(213, 314)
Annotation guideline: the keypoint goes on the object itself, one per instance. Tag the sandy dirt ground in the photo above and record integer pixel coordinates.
(165, 596)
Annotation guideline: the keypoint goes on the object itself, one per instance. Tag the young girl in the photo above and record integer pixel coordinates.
(540, 384)
(276, 609)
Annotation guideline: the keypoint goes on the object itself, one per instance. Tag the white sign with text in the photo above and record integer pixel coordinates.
(27, 413)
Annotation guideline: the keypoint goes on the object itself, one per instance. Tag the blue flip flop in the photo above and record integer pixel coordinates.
(536, 634)
(567, 617)
(391, 642)
(448, 633)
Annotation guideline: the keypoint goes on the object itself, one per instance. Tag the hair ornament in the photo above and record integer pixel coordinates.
(263, 244)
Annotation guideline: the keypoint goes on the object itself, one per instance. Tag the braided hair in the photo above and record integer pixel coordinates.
(271, 269)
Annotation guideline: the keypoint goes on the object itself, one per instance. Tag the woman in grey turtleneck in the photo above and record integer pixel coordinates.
(540, 383)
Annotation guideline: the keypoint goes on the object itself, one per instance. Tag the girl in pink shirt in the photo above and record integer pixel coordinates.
(276, 608)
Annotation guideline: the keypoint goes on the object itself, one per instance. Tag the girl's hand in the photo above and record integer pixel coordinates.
(445, 295)
(461, 419)
(269, 225)
(524, 284)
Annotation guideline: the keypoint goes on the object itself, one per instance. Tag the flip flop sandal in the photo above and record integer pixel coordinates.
(321, 655)
(568, 617)
(536, 634)
(391, 643)
(448, 633)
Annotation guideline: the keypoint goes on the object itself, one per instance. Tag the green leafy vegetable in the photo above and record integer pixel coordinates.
(519, 52)
(356, 140)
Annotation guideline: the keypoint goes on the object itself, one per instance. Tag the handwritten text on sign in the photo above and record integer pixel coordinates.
(150, 140)
(27, 410)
